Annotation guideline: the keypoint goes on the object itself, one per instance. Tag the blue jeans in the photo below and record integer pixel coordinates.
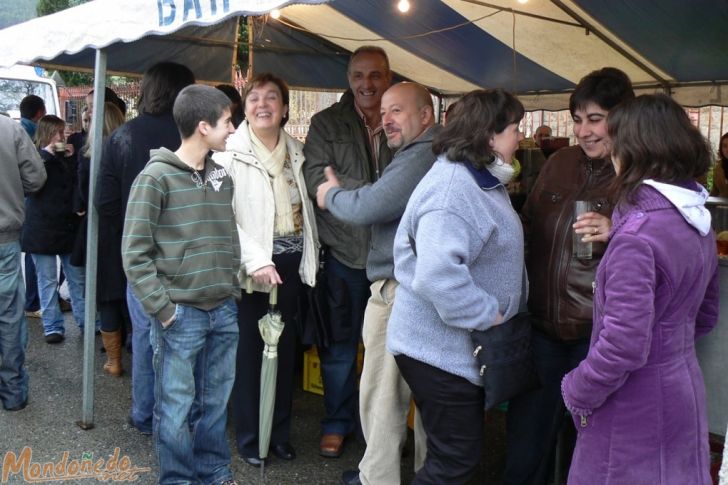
(194, 365)
(142, 370)
(338, 360)
(13, 328)
(534, 418)
(46, 269)
(32, 301)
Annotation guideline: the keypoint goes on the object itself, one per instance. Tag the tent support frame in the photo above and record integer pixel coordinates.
(92, 238)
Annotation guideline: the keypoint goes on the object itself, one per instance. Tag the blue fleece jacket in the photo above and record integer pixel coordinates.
(465, 267)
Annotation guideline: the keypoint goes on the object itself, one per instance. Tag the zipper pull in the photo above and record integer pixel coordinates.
(482, 370)
(583, 421)
(594, 287)
(477, 349)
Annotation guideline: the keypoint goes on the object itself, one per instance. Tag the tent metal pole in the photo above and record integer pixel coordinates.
(92, 239)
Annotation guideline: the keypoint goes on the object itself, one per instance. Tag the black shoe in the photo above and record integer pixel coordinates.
(350, 477)
(54, 338)
(284, 451)
(64, 305)
(253, 461)
(19, 407)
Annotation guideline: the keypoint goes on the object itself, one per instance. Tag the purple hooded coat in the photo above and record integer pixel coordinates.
(638, 399)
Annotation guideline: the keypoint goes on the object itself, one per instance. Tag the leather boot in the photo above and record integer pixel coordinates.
(112, 343)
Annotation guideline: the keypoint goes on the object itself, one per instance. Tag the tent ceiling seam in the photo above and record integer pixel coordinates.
(590, 27)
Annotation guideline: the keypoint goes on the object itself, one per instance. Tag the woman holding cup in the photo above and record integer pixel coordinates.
(638, 398)
(561, 269)
(50, 228)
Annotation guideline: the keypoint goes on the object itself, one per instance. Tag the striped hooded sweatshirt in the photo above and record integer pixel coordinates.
(180, 242)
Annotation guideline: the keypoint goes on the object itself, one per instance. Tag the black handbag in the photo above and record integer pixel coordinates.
(313, 312)
(506, 360)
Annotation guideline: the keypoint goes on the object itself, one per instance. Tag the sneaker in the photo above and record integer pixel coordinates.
(33, 313)
(53, 338)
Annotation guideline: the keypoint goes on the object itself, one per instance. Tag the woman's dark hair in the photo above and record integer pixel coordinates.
(652, 138)
(236, 106)
(723, 159)
(607, 87)
(265, 78)
(160, 86)
(476, 117)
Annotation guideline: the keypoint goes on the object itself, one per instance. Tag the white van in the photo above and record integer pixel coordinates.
(18, 81)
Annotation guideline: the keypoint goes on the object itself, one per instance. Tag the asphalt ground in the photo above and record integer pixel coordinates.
(47, 428)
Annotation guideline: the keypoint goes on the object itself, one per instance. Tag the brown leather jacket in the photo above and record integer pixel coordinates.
(560, 293)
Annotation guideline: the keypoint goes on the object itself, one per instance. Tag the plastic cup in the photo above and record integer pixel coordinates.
(581, 249)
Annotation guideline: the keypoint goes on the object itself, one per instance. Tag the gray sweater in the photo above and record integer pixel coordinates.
(382, 203)
(466, 266)
(22, 173)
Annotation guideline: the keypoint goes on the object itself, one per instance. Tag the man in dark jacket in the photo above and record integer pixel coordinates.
(348, 137)
(32, 108)
(125, 154)
(23, 172)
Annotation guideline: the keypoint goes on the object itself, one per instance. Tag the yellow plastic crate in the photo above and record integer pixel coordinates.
(312, 370)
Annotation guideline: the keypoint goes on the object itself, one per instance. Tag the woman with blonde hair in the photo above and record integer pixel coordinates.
(50, 228)
(113, 311)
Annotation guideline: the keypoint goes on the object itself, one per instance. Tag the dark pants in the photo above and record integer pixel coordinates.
(534, 418)
(246, 390)
(114, 315)
(452, 414)
(348, 292)
(32, 300)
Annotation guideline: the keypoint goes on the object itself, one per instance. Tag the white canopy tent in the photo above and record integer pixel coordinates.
(539, 50)
(109, 25)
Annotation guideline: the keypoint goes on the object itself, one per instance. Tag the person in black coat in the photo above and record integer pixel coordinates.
(113, 311)
(50, 228)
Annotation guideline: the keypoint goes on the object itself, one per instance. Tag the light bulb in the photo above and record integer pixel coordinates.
(403, 6)
(522, 1)
(275, 13)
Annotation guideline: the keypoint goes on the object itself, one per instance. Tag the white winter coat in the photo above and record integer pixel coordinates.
(254, 206)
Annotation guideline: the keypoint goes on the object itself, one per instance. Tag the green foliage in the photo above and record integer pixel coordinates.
(242, 61)
(45, 7)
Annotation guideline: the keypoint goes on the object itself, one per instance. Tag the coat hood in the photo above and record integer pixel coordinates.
(167, 156)
(690, 203)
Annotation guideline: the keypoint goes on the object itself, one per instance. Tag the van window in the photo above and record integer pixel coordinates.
(12, 91)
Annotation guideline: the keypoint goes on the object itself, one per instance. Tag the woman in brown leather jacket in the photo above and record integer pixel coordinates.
(560, 293)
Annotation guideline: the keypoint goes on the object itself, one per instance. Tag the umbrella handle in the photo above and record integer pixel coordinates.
(273, 296)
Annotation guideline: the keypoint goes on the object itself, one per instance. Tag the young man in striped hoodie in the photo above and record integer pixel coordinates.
(181, 253)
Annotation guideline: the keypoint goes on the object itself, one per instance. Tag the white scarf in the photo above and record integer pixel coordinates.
(501, 170)
(273, 164)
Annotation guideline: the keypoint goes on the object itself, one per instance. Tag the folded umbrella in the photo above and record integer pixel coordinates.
(270, 327)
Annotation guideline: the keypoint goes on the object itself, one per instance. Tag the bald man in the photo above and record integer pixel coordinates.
(384, 397)
(543, 131)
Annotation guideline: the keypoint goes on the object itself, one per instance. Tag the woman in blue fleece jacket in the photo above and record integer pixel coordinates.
(458, 256)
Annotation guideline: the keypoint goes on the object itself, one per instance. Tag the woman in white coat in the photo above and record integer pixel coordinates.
(278, 241)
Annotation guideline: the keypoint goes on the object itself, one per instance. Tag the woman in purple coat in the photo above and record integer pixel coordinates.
(638, 399)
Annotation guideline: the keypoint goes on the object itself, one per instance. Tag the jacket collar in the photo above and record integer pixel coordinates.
(239, 144)
(644, 199)
(483, 177)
